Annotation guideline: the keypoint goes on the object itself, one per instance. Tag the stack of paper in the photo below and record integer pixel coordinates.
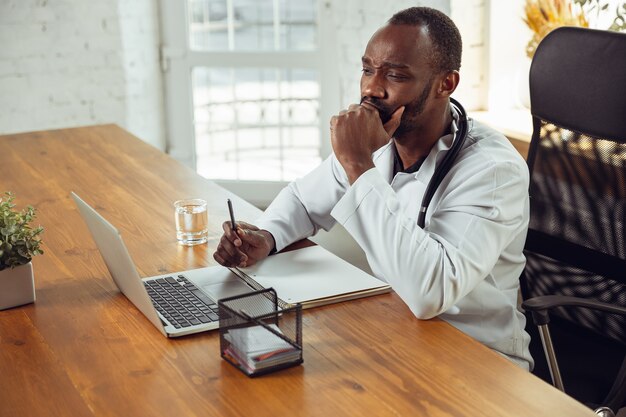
(257, 348)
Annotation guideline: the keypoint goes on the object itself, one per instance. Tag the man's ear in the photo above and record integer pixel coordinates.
(448, 83)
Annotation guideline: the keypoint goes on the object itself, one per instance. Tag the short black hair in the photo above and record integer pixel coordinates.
(443, 33)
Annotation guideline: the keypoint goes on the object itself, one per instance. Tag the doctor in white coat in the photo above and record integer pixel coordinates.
(464, 264)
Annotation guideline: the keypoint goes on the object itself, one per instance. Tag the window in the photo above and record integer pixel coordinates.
(255, 123)
(252, 72)
(252, 25)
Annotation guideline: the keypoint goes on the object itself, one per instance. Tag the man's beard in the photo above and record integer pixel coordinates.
(411, 110)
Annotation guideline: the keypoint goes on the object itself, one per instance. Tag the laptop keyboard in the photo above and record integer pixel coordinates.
(181, 302)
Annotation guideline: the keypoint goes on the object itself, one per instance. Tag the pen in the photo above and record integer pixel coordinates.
(232, 215)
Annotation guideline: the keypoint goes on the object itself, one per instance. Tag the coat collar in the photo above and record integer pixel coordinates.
(384, 157)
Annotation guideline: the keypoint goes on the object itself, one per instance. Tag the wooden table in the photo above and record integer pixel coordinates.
(83, 350)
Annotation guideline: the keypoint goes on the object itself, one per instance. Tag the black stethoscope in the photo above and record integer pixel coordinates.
(447, 162)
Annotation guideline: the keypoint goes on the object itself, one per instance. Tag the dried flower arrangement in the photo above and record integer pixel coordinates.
(543, 16)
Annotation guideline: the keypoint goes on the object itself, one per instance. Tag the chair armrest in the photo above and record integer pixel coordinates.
(539, 306)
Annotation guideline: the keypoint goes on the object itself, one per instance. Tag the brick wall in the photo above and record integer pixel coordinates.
(74, 62)
(355, 22)
(139, 27)
(470, 17)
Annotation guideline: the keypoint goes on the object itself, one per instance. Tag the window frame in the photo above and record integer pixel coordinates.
(178, 61)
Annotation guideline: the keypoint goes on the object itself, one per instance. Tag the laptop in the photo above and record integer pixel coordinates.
(179, 303)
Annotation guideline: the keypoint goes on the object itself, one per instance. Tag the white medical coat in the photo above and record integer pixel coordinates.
(464, 266)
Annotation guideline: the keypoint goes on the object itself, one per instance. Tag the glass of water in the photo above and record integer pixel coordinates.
(191, 221)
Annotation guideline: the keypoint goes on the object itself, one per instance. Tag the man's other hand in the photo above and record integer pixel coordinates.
(356, 133)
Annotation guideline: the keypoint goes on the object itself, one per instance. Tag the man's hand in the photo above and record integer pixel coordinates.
(356, 133)
(245, 247)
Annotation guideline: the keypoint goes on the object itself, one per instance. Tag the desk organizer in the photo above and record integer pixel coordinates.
(258, 338)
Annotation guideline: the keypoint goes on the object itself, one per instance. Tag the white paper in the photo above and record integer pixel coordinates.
(257, 348)
(309, 274)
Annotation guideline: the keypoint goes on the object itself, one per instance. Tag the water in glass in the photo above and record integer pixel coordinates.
(191, 221)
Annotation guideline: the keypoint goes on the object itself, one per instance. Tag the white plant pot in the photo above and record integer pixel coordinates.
(17, 286)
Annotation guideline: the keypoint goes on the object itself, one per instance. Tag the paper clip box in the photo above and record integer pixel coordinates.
(256, 336)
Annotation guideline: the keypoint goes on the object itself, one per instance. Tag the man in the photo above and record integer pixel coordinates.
(464, 265)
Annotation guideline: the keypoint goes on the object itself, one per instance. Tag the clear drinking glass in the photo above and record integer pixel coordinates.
(191, 221)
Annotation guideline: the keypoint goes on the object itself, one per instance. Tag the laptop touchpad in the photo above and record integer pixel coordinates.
(221, 290)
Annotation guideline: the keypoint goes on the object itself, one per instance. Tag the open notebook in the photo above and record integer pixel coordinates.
(311, 276)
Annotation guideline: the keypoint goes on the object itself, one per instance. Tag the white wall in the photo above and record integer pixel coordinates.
(75, 62)
(470, 16)
(507, 61)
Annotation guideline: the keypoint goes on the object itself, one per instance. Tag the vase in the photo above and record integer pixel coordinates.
(17, 286)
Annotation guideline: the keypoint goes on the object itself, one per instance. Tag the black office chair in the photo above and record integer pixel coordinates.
(576, 245)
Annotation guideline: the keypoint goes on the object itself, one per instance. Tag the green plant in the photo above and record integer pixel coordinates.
(19, 242)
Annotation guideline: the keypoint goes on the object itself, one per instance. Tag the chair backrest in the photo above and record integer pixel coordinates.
(577, 159)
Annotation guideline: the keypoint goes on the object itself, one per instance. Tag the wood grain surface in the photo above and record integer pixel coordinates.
(82, 349)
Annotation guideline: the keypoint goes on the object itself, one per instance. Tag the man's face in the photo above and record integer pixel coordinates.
(396, 72)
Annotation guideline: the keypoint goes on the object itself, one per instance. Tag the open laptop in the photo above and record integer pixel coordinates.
(179, 303)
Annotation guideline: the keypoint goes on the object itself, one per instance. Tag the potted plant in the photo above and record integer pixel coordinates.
(19, 242)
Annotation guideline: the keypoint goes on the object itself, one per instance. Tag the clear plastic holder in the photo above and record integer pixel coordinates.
(256, 336)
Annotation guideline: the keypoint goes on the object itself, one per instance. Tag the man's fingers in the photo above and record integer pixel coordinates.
(239, 247)
(228, 230)
(230, 233)
(245, 225)
(369, 106)
(251, 237)
(221, 260)
(228, 250)
(392, 124)
(365, 106)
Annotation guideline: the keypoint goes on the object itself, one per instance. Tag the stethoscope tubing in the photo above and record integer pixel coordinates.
(446, 164)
